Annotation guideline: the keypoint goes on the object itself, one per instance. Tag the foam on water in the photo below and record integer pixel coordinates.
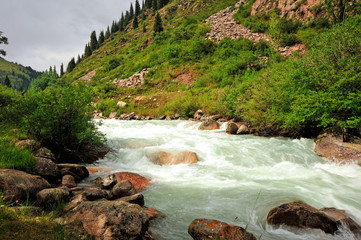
(238, 179)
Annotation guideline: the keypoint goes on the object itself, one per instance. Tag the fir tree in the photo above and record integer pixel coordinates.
(122, 23)
(61, 69)
(137, 8)
(131, 11)
(159, 4)
(7, 82)
(87, 51)
(101, 38)
(107, 33)
(71, 65)
(78, 60)
(135, 23)
(154, 5)
(143, 5)
(93, 41)
(3, 40)
(143, 16)
(114, 27)
(158, 26)
(127, 18)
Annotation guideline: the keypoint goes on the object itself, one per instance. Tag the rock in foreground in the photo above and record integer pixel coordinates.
(139, 182)
(204, 229)
(111, 220)
(299, 214)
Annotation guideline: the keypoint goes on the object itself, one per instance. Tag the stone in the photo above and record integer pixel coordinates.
(18, 185)
(164, 158)
(75, 201)
(28, 144)
(204, 229)
(134, 199)
(340, 217)
(107, 182)
(51, 196)
(110, 220)
(301, 215)
(232, 128)
(209, 124)
(45, 153)
(139, 182)
(243, 130)
(68, 181)
(79, 172)
(121, 104)
(90, 192)
(46, 169)
(122, 189)
(153, 213)
(113, 114)
(198, 114)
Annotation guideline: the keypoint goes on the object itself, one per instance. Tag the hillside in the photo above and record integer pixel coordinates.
(209, 56)
(20, 76)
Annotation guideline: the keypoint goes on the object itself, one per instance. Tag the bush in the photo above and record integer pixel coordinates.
(200, 48)
(61, 118)
(112, 64)
(289, 40)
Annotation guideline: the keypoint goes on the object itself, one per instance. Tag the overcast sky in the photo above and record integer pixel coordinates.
(44, 33)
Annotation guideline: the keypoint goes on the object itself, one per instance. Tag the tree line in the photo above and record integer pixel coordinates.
(135, 14)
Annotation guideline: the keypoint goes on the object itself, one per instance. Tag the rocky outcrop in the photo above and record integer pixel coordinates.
(18, 185)
(110, 220)
(209, 124)
(134, 199)
(136, 79)
(50, 197)
(334, 149)
(79, 172)
(91, 193)
(293, 9)
(88, 77)
(164, 158)
(204, 229)
(153, 213)
(301, 215)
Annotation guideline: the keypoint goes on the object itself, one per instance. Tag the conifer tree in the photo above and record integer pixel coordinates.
(122, 23)
(7, 82)
(158, 26)
(135, 23)
(159, 4)
(87, 51)
(3, 40)
(107, 33)
(131, 11)
(93, 41)
(143, 16)
(127, 18)
(154, 5)
(114, 27)
(101, 38)
(61, 69)
(143, 5)
(71, 66)
(78, 60)
(137, 8)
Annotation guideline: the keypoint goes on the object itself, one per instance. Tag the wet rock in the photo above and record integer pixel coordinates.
(107, 182)
(122, 189)
(164, 158)
(110, 220)
(79, 172)
(340, 217)
(153, 213)
(232, 128)
(134, 199)
(209, 124)
(28, 144)
(18, 185)
(204, 229)
(139, 182)
(90, 192)
(301, 215)
(243, 130)
(113, 114)
(51, 196)
(75, 201)
(68, 181)
(46, 169)
(198, 114)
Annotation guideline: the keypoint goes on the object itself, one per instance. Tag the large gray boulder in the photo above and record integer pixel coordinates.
(110, 220)
(47, 169)
(18, 185)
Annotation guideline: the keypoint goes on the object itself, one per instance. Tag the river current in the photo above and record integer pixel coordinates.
(237, 180)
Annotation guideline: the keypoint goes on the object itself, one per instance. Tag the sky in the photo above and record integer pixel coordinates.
(44, 33)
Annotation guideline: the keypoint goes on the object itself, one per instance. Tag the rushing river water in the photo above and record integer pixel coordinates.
(237, 180)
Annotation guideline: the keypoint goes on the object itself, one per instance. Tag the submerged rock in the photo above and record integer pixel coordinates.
(110, 220)
(153, 213)
(301, 215)
(164, 158)
(18, 185)
(204, 229)
(209, 124)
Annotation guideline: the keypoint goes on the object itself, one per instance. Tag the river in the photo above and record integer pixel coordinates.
(237, 180)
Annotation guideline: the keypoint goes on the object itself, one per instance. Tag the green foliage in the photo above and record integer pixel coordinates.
(339, 10)
(3, 40)
(12, 157)
(45, 80)
(61, 118)
(112, 64)
(12, 105)
(200, 47)
(71, 65)
(158, 26)
(93, 41)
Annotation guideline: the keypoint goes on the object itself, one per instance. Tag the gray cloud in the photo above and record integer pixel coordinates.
(44, 33)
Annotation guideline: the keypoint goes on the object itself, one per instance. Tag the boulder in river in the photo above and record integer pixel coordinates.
(204, 229)
(122, 189)
(164, 158)
(110, 220)
(79, 172)
(198, 114)
(301, 215)
(209, 124)
(139, 182)
(18, 185)
(232, 127)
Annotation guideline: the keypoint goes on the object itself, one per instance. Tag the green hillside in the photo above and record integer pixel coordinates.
(20, 76)
(188, 72)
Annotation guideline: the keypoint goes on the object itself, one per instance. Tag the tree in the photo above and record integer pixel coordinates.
(3, 40)
(101, 38)
(61, 69)
(143, 16)
(7, 82)
(71, 65)
(87, 51)
(78, 60)
(93, 41)
(158, 26)
(122, 23)
(131, 11)
(107, 33)
(154, 5)
(137, 8)
(135, 23)
(339, 10)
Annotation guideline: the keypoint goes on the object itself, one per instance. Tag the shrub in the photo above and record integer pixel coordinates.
(289, 40)
(199, 48)
(112, 64)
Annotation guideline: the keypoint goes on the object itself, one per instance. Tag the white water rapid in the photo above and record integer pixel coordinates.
(238, 179)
